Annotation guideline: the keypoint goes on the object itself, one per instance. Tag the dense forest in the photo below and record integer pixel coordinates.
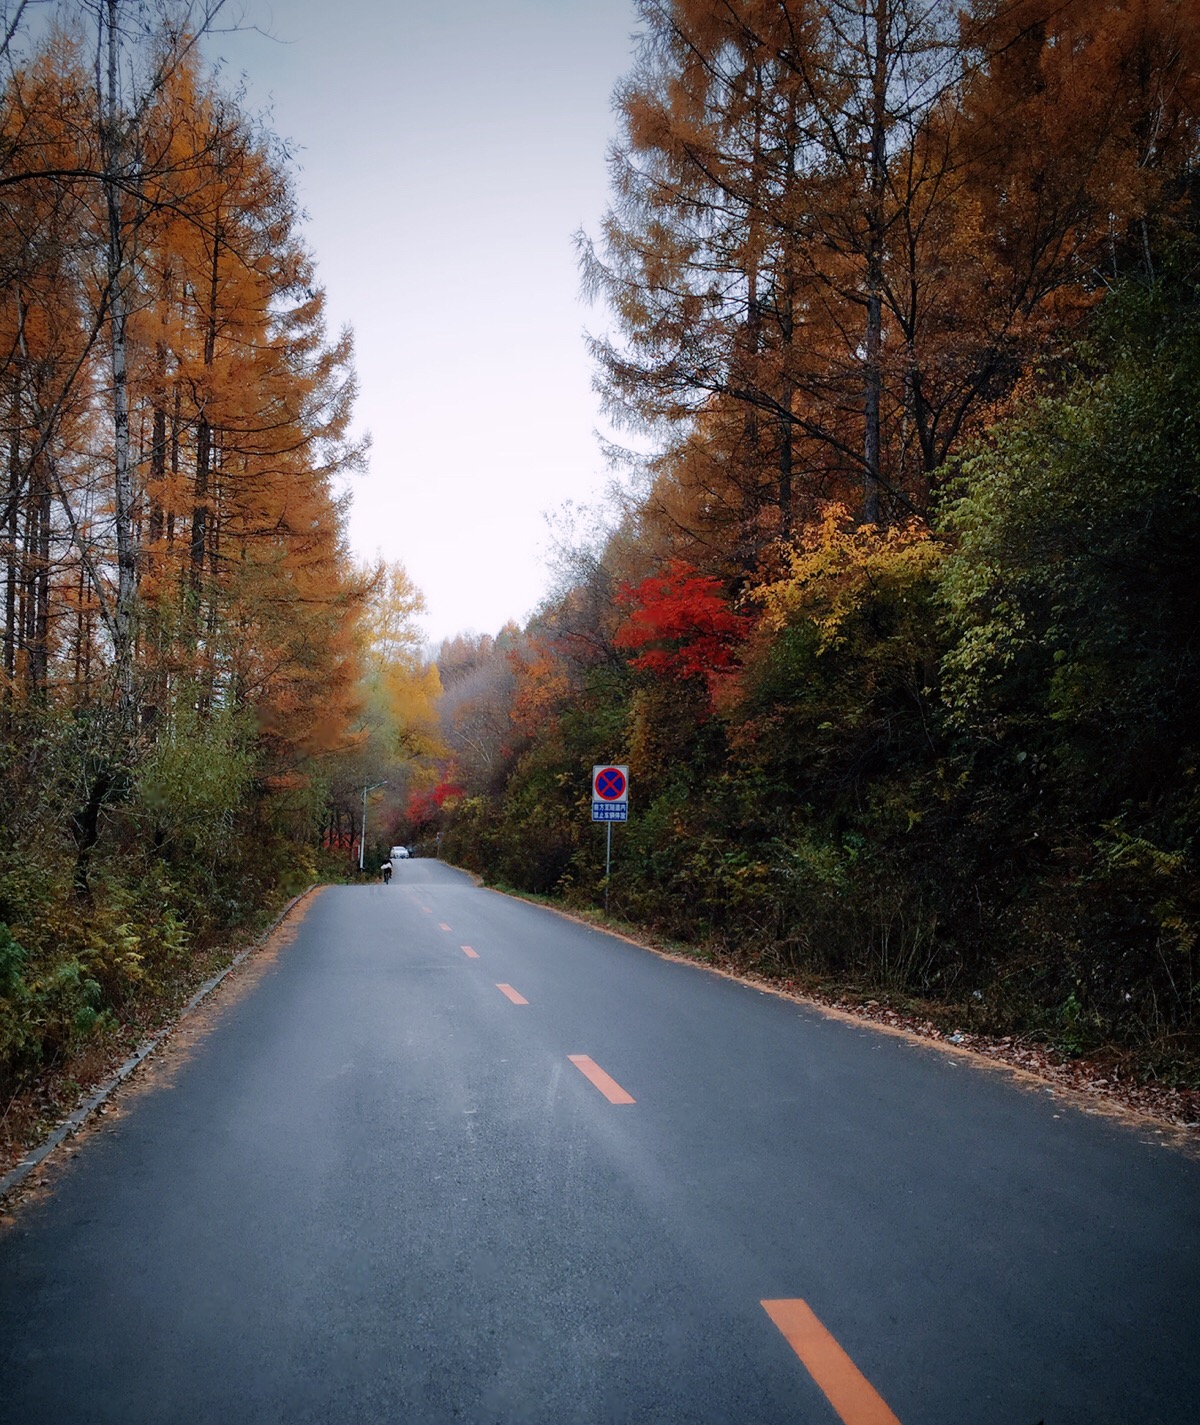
(897, 623)
(196, 678)
(897, 615)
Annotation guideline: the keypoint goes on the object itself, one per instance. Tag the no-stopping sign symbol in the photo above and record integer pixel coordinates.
(611, 784)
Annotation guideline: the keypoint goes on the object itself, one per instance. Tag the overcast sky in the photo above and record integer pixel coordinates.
(448, 150)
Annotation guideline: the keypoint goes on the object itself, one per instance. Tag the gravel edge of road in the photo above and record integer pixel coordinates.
(75, 1121)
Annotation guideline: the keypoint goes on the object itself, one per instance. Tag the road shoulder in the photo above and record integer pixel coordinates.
(1163, 1115)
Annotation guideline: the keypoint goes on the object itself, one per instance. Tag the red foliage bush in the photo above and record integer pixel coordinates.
(423, 807)
(680, 625)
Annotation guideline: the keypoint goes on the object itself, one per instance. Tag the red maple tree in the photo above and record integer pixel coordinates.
(679, 624)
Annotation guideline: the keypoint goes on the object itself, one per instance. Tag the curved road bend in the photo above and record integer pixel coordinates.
(456, 1158)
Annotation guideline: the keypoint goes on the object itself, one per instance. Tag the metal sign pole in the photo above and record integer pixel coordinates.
(362, 836)
(610, 802)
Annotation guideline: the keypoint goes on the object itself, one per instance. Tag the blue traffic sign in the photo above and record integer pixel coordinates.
(610, 793)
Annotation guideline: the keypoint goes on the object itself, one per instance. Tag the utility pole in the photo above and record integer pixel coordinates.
(362, 835)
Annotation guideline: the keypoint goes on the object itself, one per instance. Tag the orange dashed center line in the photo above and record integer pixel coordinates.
(607, 1085)
(469, 953)
(511, 994)
(442, 925)
(844, 1385)
(428, 909)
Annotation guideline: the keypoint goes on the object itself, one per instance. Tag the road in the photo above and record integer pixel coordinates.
(457, 1158)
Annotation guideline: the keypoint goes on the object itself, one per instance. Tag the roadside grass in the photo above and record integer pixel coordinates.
(45, 1094)
(48, 1091)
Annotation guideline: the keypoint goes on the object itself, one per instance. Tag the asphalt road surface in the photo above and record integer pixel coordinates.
(457, 1158)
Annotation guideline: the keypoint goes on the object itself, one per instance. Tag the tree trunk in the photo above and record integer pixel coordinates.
(158, 472)
(39, 645)
(10, 564)
(123, 611)
(82, 627)
(877, 177)
(787, 434)
(204, 439)
(200, 506)
(27, 609)
(175, 419)
(751, 482)
(86, 826)
(156, 636)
